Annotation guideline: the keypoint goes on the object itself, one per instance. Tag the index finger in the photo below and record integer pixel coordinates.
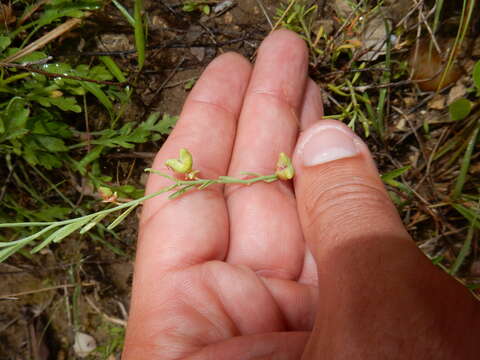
(194, 228)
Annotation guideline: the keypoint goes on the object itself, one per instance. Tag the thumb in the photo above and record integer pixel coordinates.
(340, 196)
(370, 274)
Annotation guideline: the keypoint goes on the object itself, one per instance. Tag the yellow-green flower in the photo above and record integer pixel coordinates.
(285, 170)
(182, 165)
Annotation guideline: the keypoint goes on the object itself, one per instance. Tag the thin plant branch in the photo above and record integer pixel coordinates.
(56, 231)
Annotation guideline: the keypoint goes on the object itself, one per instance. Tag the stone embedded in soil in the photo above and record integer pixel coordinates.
(438, 102)
(456, 92)
(84, 344)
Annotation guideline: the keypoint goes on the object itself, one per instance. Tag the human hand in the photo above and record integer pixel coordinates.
(271, 271)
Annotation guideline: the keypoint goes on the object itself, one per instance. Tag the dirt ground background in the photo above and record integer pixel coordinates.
(83, 286)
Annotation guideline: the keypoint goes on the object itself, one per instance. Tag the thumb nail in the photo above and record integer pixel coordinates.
(327, 141)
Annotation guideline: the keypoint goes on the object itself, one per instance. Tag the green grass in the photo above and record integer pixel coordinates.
(47, 132)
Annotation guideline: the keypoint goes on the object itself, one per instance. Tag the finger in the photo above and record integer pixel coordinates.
(312, 108)
(194, 228)
(370, 272)
(312, 112)
(265, 233)
(270, 346)
(297, 302)
(339, 192)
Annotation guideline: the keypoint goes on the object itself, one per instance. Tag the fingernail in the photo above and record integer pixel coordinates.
(327, 141)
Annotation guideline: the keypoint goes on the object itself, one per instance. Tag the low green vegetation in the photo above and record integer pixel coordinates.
(59, 119)
(202, 6)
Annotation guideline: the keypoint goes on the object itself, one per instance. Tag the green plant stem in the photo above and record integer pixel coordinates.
(58, 230)
(466, 17)
(462, 177)
(15, 78)
(139, 33)
(124, 12)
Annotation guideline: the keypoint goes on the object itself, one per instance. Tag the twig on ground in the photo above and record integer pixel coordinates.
(112, 319)
(13, 296)
(264, 11)
(165, 82)
(44, 40)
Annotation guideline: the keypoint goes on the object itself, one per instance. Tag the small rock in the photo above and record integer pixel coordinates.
(475, 268)
(193, 34)
(223, 6)
(414, 156)
(456, 92)
(198, 52)
(409, 101)
(143, 178)
(84, 344)
(397, 9)
(114, 42)
(374, 38)
(327, 24)
(437, 102)
(228, 17)
(401, 124)
(158, 22)
(342, 8)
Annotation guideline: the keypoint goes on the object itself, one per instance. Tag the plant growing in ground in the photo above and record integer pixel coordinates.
(56, 231)
(47, 133)
(203, 6)
(461, 108)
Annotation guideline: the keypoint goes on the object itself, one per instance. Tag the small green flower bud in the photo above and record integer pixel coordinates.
(105, 192)
(285, 170)
(56, 94)
(182, 165)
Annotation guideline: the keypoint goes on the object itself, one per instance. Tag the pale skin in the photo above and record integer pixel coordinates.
(321, 268)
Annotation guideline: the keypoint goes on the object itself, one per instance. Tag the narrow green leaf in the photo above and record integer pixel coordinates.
(99, 94)
(464, 251)
(180, 192)
(139, 33)
(61, 234)
(206, 184)
(395, 173)
(92, 155)
(113, 68)
(6, 253)
(124, 12)
(476, 75)
(468, 214)
(462, 176)
(121, 217)
(92, 223)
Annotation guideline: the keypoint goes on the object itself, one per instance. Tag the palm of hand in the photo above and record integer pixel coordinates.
(218, 310)
(226, 270)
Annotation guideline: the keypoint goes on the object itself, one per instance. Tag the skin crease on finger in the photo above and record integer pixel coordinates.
(377, 296)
